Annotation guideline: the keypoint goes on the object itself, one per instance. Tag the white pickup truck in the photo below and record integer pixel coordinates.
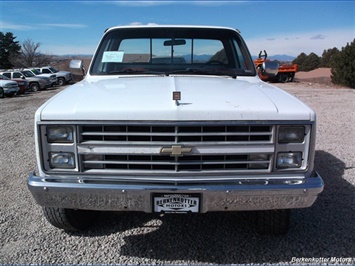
(174, 119)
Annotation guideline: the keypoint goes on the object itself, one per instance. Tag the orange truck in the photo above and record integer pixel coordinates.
(286, 72)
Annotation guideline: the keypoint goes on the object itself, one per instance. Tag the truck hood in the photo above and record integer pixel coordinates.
(138, 98)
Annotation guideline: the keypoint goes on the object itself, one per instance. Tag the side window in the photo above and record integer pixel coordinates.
(45, 70)
(7, 75)
(17, 75)
(242, 57)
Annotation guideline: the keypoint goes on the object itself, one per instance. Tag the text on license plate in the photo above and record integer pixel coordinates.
(175, 203)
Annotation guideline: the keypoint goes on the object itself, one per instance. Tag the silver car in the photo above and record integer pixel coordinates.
(8, 87)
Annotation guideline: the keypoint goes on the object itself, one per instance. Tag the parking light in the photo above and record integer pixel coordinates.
(289, 160)
(65, 160)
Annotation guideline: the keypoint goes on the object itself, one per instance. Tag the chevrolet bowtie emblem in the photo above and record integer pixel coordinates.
(175, 150)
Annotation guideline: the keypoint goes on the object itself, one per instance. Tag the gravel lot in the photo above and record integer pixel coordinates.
(326, 231)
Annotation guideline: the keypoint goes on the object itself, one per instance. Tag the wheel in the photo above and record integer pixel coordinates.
(2, 94)
(273, 222)
(61, 81)
(283, 78)
(34, 87)
(292, 77)
(70, 219)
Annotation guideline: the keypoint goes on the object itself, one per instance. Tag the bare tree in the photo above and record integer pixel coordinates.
(30, 56)
(29, 51)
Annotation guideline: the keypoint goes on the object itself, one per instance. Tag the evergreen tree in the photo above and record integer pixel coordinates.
(8, 48)
(327, 57)
(312, 62)
(343, 66)
(299, 60)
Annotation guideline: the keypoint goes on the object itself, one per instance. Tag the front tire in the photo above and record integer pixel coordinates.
(2, 93)
(61, 81)
(273, 222)
(34, 87)
(70, 219)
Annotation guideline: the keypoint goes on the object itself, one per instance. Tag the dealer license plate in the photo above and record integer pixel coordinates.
(176, 203)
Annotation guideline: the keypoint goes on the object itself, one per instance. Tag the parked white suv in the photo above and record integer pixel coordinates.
(8, 87)
(198, 135)
(34, 83)
(52, 77)
(63, 77)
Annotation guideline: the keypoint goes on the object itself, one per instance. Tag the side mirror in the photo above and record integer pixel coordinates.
(270, 68)
(77, 67)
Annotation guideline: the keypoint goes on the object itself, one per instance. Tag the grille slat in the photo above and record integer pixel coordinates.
(147, 140)
(178, 133)
(178, 164)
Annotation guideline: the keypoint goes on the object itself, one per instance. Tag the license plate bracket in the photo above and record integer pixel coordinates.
(176, 202)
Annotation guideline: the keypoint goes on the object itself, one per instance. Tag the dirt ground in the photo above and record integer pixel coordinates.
(320, 76)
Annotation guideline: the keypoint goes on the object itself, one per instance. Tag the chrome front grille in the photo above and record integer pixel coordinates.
(212, 148)
(206, 163)
(177, 134)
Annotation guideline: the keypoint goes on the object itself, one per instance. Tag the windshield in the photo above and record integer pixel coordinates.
(4, 77)
(172, 51)
(36, 72)
(27, 73)
(54, 70)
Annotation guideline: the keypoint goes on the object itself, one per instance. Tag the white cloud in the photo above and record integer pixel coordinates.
(136, 23)
(295, 44)
(12, 26)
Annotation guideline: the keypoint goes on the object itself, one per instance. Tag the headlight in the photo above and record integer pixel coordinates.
(62, 134)
(64, 160)
(289, 160)
(291, 134)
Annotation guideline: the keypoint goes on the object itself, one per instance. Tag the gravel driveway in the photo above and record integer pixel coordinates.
(326, 231)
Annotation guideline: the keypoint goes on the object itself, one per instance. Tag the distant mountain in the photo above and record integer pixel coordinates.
(202, 57)
(75, 55)
(278, 57)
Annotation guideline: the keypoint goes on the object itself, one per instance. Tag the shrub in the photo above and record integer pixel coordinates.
(343, 66)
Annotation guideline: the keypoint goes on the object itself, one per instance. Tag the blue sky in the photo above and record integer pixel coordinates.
(279, 27)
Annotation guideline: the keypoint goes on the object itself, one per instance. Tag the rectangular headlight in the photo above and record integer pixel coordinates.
(289, 160)
(64, 160)
(291, 134)
(61, 134)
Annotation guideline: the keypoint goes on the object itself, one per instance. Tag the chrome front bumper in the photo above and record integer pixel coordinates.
(241, 195)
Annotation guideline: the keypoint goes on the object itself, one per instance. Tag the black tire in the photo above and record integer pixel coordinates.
(2, 93)
(283, 78)
(70, 219)
(34, 87)
(273, 222)
(61, 81)
(292, 77)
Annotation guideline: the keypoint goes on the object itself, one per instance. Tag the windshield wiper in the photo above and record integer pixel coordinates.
(132, 71)
(201, 71)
